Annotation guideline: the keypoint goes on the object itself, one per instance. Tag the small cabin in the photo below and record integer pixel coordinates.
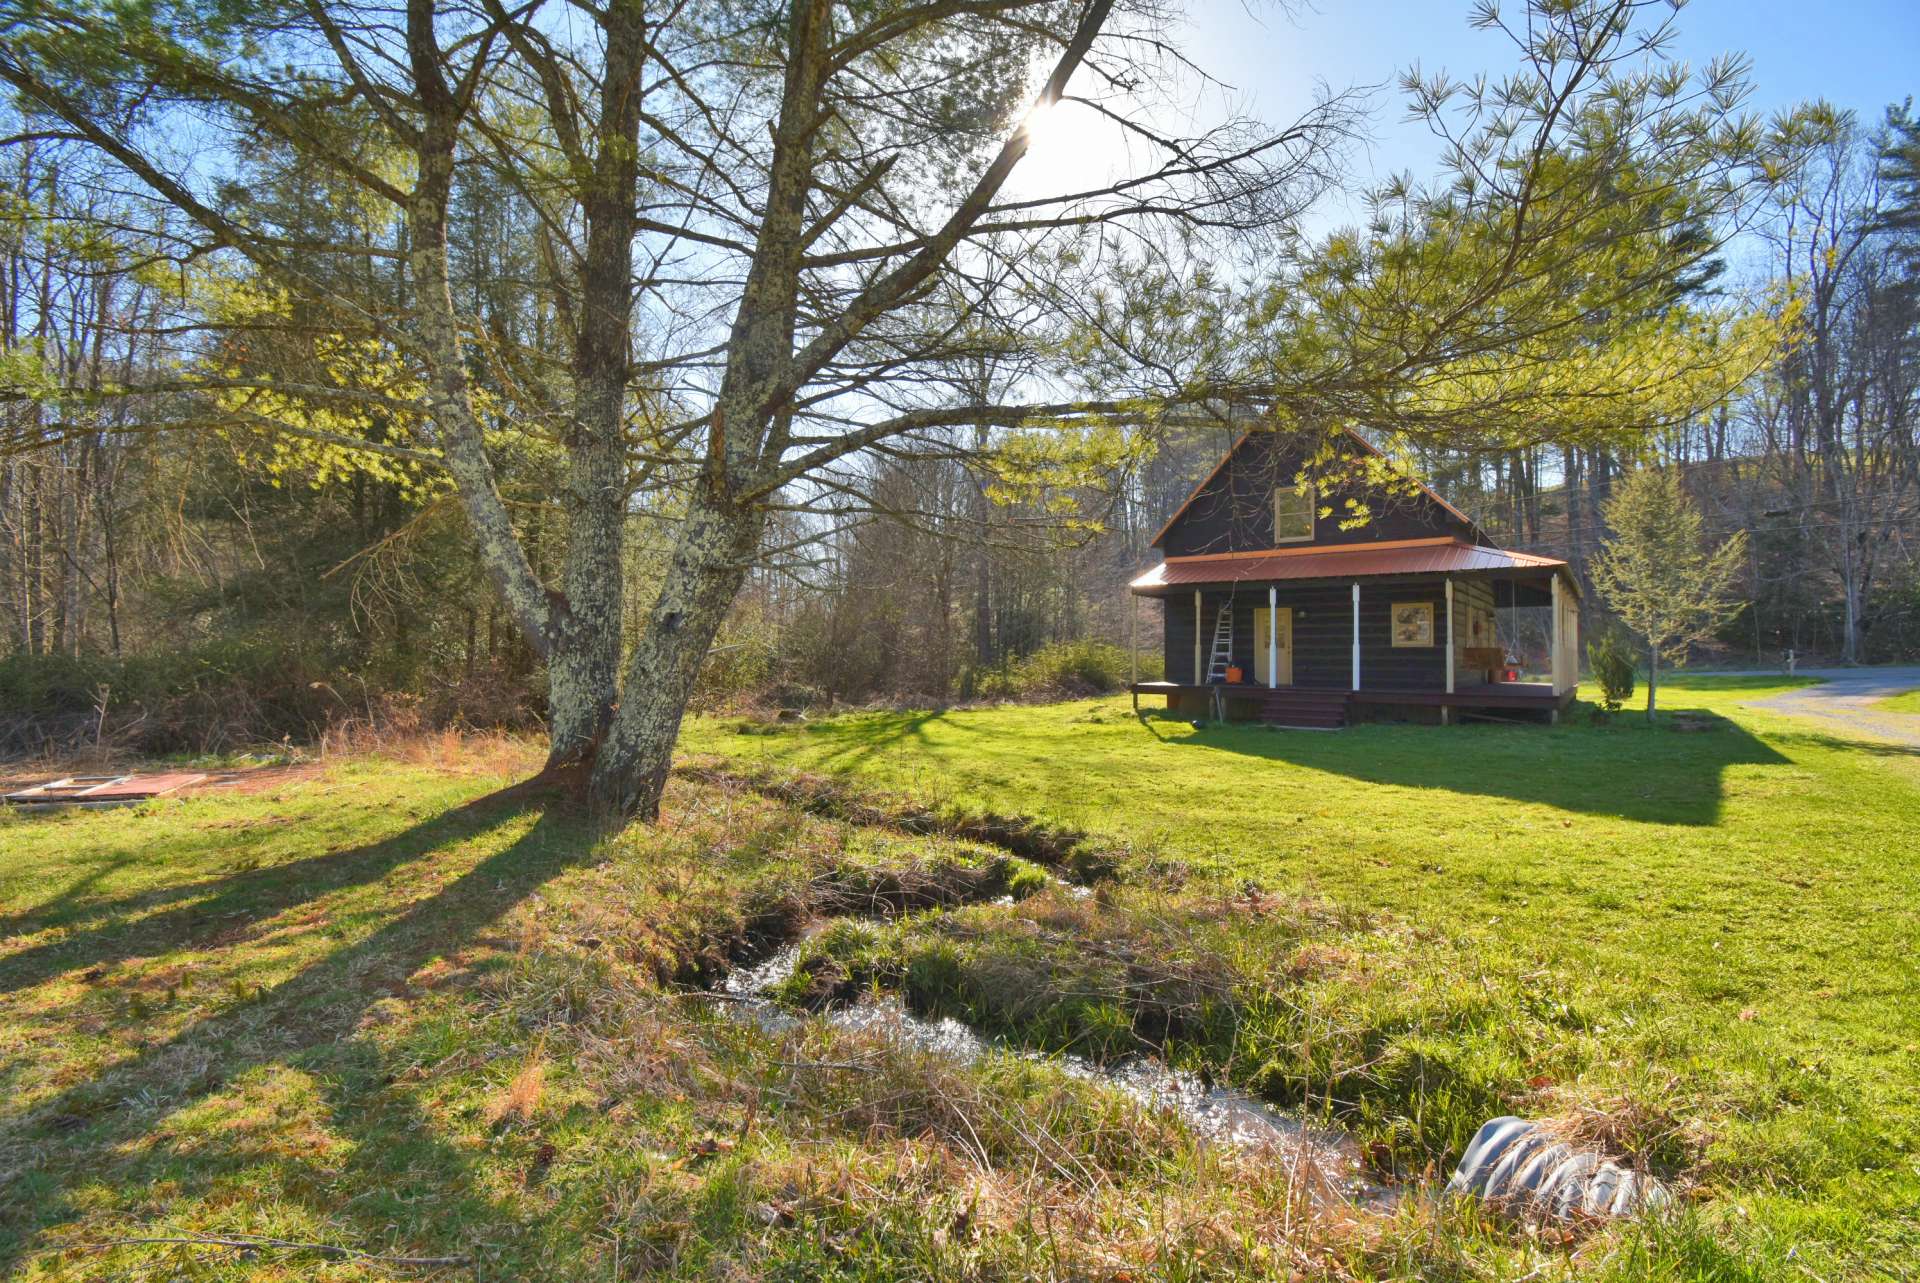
(1280, 607)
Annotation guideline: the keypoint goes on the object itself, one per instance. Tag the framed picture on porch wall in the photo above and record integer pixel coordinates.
(1412, 623)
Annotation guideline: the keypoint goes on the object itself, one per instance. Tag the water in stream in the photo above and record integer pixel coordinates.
(1326, 1159)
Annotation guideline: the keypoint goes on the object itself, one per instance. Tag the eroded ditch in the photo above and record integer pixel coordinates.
(1041, 880)
(761, 988)
(1322, 1160)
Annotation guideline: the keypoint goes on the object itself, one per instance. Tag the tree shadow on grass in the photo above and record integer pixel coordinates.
(1147, 719)
(868, 737)
(81, 1135)
(1649, 774)
(1844, 743)
(219, 906)
(323, 1134)
(71, 903)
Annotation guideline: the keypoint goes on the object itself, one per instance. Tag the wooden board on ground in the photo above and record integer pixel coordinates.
(102, 790)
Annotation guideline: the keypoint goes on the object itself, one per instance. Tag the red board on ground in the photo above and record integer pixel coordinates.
(96, 790)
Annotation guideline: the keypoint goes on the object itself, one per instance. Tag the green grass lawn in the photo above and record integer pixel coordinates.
(1724, 922)
(378, 1008)
(378, 1022)
(1905, 702)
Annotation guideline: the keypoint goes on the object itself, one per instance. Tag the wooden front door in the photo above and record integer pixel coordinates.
(1278, 625)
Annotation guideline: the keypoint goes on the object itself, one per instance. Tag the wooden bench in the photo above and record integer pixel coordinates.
(1485, 660)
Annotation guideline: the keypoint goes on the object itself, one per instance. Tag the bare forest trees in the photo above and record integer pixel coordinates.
(75, 315)
(665, 302)
(1838, 415)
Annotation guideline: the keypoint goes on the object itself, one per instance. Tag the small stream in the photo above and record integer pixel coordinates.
(1324, 1158)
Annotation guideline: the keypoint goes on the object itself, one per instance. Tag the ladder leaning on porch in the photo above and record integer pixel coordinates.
(1222, 646)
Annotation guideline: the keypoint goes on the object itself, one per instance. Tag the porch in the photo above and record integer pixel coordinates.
(1424, 630)
(1324, 708)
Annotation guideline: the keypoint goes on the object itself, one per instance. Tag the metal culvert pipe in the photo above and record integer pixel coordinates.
(1521, 1169)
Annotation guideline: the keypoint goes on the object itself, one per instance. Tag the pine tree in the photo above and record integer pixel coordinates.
(1899, 161)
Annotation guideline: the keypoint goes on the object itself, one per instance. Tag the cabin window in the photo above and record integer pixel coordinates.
(1293, 514)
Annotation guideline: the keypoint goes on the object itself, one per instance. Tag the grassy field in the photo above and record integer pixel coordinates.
(1713, 930)
(424, 1030)
(1905, 702)
(376, 1021)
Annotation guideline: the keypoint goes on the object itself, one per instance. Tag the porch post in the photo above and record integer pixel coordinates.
(1558, 649)
(1273, 636)
(1356, 636)
(1133, 640)
(1572, 636)
(1449, 634)
(1196, 637)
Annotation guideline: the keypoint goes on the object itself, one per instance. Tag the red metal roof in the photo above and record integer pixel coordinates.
(1347, 561)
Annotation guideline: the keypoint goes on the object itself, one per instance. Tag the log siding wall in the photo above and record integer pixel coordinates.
(1323, 632)
(1467, 594)
(1235, 511)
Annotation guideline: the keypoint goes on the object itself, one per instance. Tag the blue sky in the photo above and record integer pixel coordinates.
(1273, 58)
(1861, 55)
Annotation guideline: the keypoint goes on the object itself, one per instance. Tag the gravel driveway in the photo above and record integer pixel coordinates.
(1843, 701)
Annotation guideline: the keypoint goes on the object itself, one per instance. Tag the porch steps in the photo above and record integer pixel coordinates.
(1304, 706)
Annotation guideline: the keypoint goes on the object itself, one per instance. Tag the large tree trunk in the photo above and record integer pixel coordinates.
(721, 532)
(583, 662)
(717, 544)
(583, 669)
(543, 617)
(1653, 678)
(578, 630)
(1855, 601)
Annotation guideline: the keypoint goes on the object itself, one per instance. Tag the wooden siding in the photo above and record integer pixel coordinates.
(1384, 666)
(1323, 632)
(1177, 627)
(1467, 594)
(1234, 513)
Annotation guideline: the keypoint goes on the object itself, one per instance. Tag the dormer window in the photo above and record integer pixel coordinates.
(1293, 512)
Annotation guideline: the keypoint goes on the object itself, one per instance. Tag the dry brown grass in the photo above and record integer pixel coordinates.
(449, 750)
(1008, 1167)
(520, 1099)
(1622, 1125)
(403, 736)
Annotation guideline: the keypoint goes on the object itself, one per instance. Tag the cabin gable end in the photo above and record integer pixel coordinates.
(1234, 509)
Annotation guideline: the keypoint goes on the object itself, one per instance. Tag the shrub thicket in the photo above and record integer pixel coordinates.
(1062, 669)
(1611, 661)
(231, 693)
